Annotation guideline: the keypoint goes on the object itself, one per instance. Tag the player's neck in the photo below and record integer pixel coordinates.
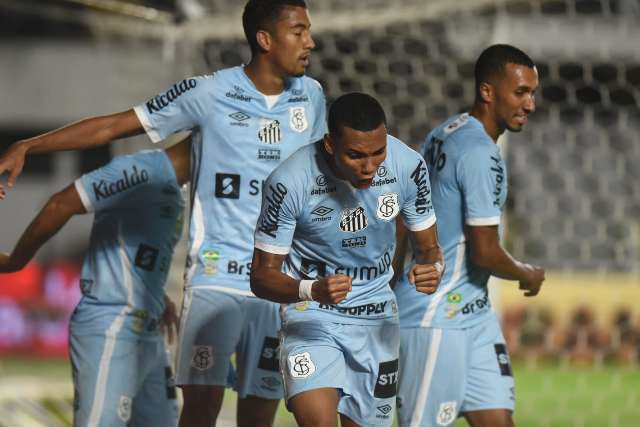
(264, 77)
(491, 127)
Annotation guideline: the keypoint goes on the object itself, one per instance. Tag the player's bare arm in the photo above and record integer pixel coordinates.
(488, 253)
(268, 282)
(55, 214)
(87, 133)
(170, 321)
(180, 156)
(401, 251)
(427, 272)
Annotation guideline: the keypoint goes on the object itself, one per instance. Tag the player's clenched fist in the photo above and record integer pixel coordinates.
(331, 289)
(426, 277)
(533, 283)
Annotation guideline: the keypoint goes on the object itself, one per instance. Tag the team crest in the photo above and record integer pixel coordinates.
(353, 220)
(388, 206)
(269, 131)
(202, 358)
(446, 414)
(298, 119)
(301, 365)
(124, 408)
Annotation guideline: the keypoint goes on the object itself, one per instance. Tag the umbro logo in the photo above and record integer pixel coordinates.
(239, 116)
(322, 211)
(385, 409)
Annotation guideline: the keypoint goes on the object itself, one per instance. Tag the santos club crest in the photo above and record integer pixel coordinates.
(388, 206)
(298, 119)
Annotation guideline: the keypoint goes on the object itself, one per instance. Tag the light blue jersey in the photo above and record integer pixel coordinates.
(328, 227)
(238, 140)
(120, 366)
(138, 210)
(469, 187)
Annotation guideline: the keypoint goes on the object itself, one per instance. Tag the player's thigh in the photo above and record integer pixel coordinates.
(105, 377)
(310, 359)
(210, 327)
(433, 364)
(257, 362)
(155, 403)
(253, 411)
(490, 382)
(316, 408)
(369, 390)
(490, 418)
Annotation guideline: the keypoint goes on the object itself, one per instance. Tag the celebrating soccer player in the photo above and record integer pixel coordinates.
(328, 214)
(453, 354)
(245, 121)
(121, 373)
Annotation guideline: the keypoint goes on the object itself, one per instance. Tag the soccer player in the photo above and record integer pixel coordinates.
(121, 373)
(328, 213)
(453, 356)
(246, 120)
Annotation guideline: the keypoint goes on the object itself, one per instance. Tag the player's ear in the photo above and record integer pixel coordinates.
(328, 144)
(264, 40)
(486, 92)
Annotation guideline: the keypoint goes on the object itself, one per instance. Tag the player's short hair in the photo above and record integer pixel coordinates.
(261, 14)
(357, 111)
(492, 61)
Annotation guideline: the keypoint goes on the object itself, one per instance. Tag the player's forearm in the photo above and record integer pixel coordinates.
(501, 264)
(46, 224)
(271, 284)
(85, 134)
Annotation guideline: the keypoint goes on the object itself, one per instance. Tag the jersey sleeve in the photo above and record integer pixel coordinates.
(417, 210)
(478, 173)
(319, 103)
(179, 108)
(113, 184)
(278, 216)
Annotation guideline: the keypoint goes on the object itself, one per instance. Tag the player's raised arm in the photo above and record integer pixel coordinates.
(51, 218)
(488, 253)
(87, 133)
(427, 271)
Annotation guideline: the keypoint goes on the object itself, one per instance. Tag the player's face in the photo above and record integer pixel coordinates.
(515, 96)
(357, 155)
(291, 41)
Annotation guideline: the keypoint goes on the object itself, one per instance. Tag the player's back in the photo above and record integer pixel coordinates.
(138, 207)
(468, 182)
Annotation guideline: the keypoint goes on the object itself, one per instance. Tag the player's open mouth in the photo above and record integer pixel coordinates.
(305, 59)
(521, 119)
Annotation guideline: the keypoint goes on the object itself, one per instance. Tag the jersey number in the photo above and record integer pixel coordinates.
(435, 156)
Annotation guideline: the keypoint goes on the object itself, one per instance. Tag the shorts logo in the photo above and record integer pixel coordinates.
(386, 384)
(383, 411)
(446, 413)
(146, 257)
(353, 220)
(388, 206)
(503, 360)
(270, 383)
(124, 408)
(301, 365)
(227, 186)
(298, 119)
(269, 132)
(269, 355)
(202, 358)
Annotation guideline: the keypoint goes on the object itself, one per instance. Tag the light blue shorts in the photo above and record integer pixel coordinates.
(122, 379)
(446, 372)
(360, 361)
(214, 326)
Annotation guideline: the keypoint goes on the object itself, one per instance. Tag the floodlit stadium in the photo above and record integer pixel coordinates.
(574, 171)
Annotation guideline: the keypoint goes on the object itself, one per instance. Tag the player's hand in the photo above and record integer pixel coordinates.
(12, 161)
(533, 283)
(169, 323)
(8, 265)
(426, 277)
(331, 289)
